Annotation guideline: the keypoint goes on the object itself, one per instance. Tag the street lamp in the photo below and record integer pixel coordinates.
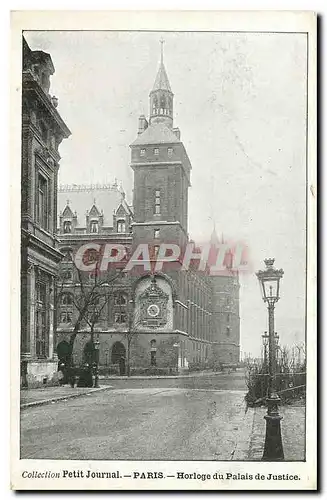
(277, 348)
(265, 340)
(96, 344)
(269, 280)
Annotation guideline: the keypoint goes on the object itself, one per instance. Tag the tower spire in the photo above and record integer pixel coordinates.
(162, 41)
(161, 96)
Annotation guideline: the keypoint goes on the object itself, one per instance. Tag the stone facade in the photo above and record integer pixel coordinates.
(168, 320)
(42, 132)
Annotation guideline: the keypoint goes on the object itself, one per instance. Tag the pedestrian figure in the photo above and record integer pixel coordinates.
(121, 365)
(61, 373)
(85, 378)
(72, 376)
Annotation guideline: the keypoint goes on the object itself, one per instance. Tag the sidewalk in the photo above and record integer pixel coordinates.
(146, 377)
(46, 395)
(292, 428)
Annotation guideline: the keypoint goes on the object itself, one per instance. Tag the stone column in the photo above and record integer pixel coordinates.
(31, 305)
(25, 346)
(51, 317)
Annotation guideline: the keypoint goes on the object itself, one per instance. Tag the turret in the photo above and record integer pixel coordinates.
(161, 97)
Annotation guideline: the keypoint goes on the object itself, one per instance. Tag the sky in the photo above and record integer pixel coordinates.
(240, 103)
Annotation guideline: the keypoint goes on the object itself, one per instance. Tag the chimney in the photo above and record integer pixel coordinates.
(143, 124)
(177, 132)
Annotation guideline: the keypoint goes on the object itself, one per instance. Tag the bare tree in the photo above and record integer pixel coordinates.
(90, 293)
(133, 322)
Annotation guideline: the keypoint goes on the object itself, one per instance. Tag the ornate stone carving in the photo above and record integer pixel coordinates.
(44, 154)
(153, 306)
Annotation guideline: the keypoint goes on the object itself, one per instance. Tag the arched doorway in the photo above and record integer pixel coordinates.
(118, 356)
(63, 351)
(64, 360)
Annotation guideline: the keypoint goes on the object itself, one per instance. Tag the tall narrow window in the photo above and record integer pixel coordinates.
(153, 351)
(121, 226)
(94, 226)
(157, 202)
(66, 299)
(120, 307)
(156, 151)
(170, 152)
(142, 152)
(157, 233)
(42, 214)
(67, 226)
(41, 330)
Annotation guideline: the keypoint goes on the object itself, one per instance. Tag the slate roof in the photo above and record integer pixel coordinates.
(161, 81)
(82, 198)
(157, 133)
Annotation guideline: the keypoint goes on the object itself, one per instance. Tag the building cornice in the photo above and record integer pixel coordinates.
(30, 84)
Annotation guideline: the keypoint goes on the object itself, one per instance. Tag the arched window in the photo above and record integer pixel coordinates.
(120, 299)
(162, 104)
(155, 105)
(67, 226)
(121, 226)
(68, 257)
(120, 307)
(67, 275)
(66, 299)
(66, 317)
(94, 226)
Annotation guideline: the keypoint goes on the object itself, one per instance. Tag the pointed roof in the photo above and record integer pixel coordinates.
(94, 211)
(161, 81)
(81, 197)
(67, 211)
(214, 240)
(156, 133)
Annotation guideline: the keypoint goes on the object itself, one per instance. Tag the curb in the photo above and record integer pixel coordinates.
(62, 398)
(153, 377)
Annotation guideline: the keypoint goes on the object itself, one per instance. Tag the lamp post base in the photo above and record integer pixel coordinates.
(273, 450)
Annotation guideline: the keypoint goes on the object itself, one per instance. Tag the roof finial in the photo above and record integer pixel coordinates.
(162, 41)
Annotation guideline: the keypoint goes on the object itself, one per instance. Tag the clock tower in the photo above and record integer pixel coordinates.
(161, 171)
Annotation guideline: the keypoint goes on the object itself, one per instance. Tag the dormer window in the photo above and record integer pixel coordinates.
(94, 226)
(67, 226)
(170, 152)
(156, 151)
(142, 152)
(121, 226)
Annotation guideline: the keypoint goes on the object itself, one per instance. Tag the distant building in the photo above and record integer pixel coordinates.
(180, 317)
(42, 131)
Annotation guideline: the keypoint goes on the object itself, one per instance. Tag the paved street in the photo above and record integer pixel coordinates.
(194, 418)
(150, 423)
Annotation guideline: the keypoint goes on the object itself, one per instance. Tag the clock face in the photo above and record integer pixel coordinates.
(153, 310)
